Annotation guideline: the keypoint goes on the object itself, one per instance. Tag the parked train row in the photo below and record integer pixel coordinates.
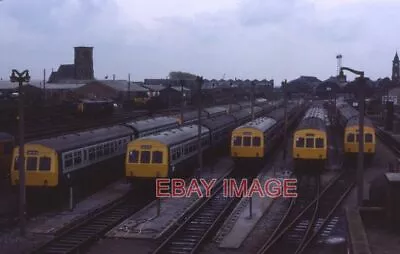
(349, 122)
(59, 161)
(311, 138)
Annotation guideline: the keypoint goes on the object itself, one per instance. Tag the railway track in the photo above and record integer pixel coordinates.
(297, 231)
(389, 141)
(189, 236)
(81, 236)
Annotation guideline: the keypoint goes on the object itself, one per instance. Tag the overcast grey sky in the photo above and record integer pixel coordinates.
(240, 38)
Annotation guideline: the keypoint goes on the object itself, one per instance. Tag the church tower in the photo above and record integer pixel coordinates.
(396, 69)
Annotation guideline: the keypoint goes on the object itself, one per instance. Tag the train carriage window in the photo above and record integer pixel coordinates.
(145, 157)
(300, 142)
(112, 147)
(157, 157)
(44, 164)
(133, 156)
(237, 141)
(256, 141)
(368, 138)
(77, 157)
(68, 160)
(247, 141)
(319, 142)
(350, 137)
(85, 157)
(92, 154)
(106, 149)
(99, 151)
(310, 142)
(31, 163)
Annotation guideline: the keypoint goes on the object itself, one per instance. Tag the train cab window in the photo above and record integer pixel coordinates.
(16, 162)
(300, 142)
(237, 141)
(145, 157)
(157, 157)
(133, 156)
(247, 141)
(310, 142)
(368, 138)
(350, 137)
(256, 141)
(44, 164)
(319, 143)
(31, 163)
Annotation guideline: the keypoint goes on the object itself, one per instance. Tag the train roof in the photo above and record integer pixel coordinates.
(315, 118)
(151, 123)
(6, 136)
(191, 115)
(234, 107)
(84, 138)
(346, 111)
(217, 122)
(262, 124)
(355, 121)
(176, 136)
(214, 110)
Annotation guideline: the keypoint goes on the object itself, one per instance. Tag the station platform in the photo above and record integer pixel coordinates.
(145, 224)
(239, 225)
(90, 205)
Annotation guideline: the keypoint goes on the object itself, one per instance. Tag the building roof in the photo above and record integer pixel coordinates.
(156, 88)
(55, 86)
(178, 88)
(122, 85)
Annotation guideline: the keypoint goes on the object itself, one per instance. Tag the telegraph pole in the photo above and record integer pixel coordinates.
(21, 78)
(199, 81)
(284, 83)
(252, 100)
(360, 162)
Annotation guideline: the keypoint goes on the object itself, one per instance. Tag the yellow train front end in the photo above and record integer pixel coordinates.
(247, 146)
(146, 160)
(41, 167)
(310, 150)
(351, 144)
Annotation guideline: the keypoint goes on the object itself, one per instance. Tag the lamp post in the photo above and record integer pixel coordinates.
(284, 84)
(199, 82)
(182, 97)
(252, 99)
(231, 100)
(21, 78)
(360, 162)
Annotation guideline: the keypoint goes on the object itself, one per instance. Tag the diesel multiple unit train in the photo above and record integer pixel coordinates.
(57, 162)
(349, 120)
(310, 141)
(173, 152)
(252, 141)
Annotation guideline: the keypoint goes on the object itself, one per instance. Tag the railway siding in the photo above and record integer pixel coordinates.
(146, 224)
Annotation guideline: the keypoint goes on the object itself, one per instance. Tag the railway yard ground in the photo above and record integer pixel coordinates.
(144, 230)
